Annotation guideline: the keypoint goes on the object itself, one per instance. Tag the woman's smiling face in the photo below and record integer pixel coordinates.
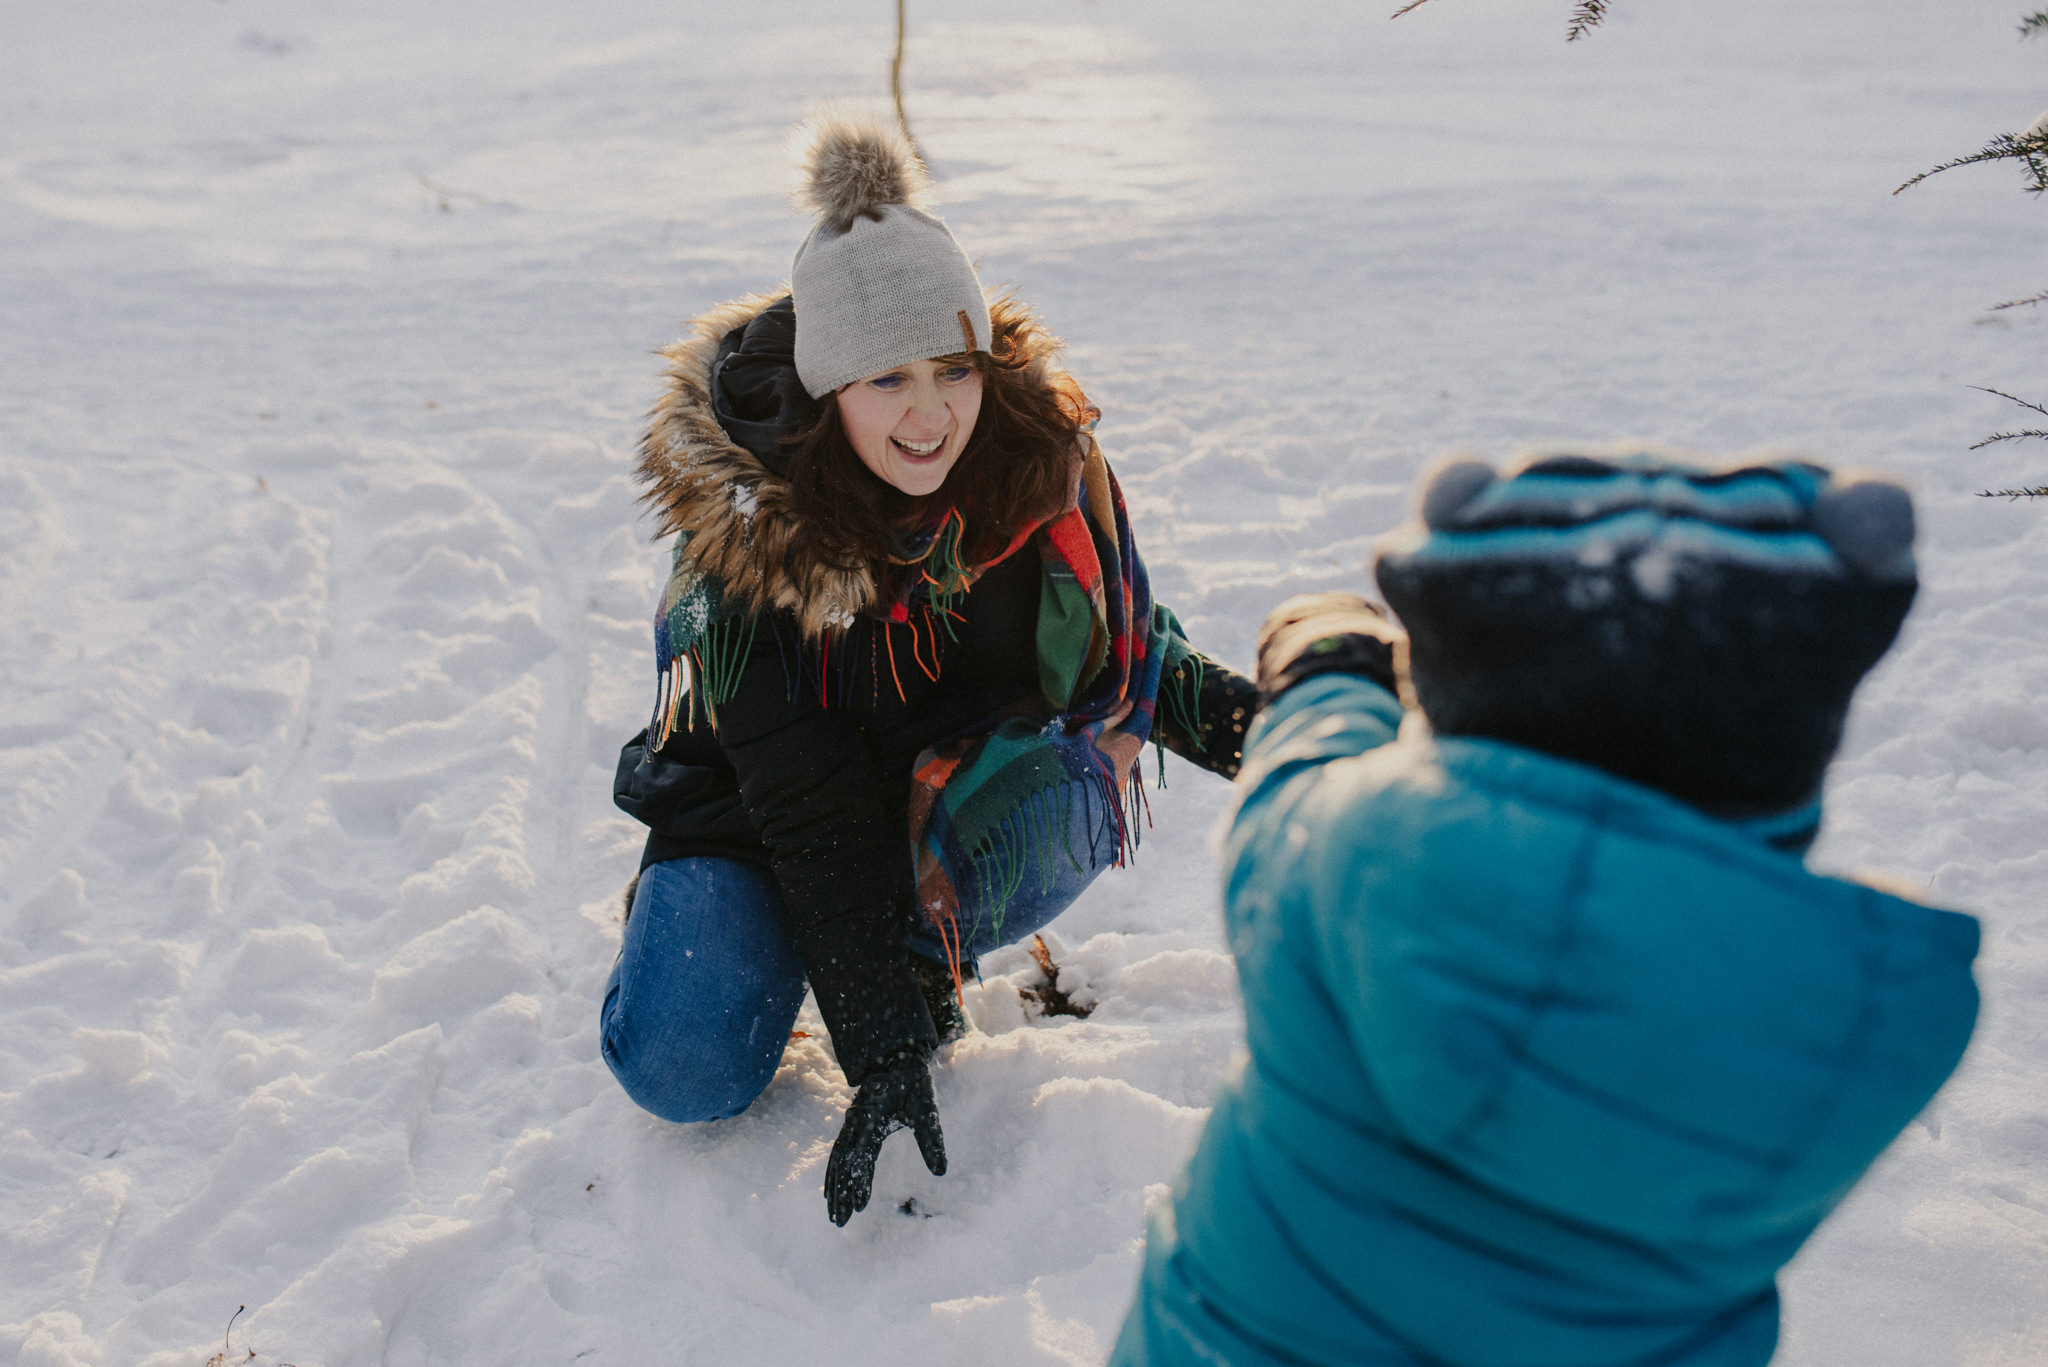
(909, 424)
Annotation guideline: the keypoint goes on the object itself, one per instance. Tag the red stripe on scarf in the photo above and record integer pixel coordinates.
(1070, 537)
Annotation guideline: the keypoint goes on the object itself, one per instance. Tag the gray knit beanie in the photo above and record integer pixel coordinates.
(879, 282)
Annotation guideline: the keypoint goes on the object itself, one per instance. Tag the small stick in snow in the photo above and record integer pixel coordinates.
(1051, 1001)
(227, 1341)
(2017, 303)
(446, 195)
(896, 85)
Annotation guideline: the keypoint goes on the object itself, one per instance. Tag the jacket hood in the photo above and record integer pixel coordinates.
(736, 511)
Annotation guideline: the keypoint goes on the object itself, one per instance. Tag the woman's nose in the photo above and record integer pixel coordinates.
(926, 401)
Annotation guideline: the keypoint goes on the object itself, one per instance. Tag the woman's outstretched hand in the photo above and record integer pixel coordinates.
(896, 1098)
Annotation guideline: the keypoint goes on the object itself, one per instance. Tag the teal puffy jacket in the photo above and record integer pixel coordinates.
(1547, 1069)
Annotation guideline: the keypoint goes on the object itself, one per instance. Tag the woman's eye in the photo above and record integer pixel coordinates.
(954, 374)
(887, 383)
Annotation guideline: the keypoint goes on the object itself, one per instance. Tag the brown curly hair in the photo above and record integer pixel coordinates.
(1016, 469)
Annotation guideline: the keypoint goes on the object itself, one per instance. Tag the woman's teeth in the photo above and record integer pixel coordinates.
(919, 448)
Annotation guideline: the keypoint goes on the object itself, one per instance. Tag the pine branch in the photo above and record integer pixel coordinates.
(1586, 16)
(2031, 148)
(1997, 437)
(2021, 435)
(2010, 398)
(2042, 297)
(2034, 23)
(2033, 491)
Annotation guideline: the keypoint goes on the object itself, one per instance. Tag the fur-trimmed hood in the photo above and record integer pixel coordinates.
(730, 492)
(739, 514)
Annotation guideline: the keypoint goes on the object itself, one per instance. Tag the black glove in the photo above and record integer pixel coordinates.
(1206, 724)
(895, 1097)
(1317, 633)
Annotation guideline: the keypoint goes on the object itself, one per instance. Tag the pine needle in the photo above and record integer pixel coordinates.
(2034, 23)
(2035, 491)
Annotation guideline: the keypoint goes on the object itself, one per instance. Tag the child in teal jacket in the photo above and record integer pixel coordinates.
(1557, 1052)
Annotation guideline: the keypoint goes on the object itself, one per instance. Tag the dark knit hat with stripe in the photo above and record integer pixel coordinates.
(1699, 631)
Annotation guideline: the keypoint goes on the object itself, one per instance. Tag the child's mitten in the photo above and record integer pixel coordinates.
(1317, 633)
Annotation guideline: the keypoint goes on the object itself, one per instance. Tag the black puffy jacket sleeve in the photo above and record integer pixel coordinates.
(838, 841)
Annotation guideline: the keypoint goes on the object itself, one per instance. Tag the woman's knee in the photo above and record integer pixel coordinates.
(683, 1101)
(706, 1075)
(700, 1003)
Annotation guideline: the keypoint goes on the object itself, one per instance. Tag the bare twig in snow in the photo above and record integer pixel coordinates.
(227, 1341)
(446, 195)
(896, 86)
(2016, 303)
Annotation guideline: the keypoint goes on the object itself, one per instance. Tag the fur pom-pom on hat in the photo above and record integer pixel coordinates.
(879, 282)
(853, 167)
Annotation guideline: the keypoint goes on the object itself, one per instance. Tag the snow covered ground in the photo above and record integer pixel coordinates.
(324, 336)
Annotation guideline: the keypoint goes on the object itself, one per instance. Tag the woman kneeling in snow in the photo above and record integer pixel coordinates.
(1557, 1051)
(908, 663)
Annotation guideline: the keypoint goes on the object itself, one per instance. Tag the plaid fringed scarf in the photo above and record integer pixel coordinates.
(981, 798)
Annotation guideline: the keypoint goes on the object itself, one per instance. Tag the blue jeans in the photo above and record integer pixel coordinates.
(708, 979)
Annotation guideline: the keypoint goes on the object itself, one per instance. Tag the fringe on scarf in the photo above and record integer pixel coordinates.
(702, 678)
(1180, 700)
(1033, 838)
